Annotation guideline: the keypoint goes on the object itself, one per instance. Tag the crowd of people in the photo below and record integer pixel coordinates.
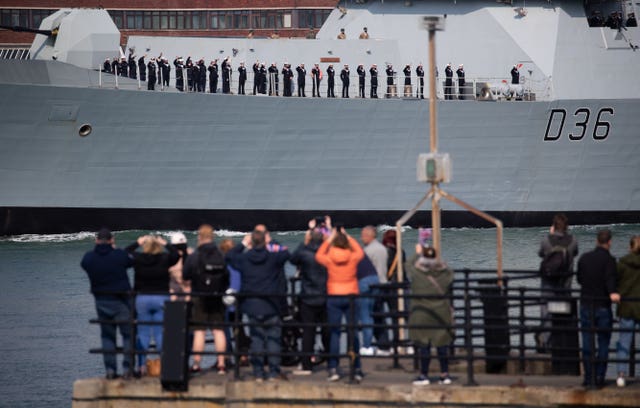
(614, 20)
(340, 279)
(193, 76)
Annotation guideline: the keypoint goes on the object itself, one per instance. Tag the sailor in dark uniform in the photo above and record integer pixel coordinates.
(151, 68)
(407, 81)
(179, 66)
(115, 66)
(242, 78)
(106, 67)
(420, 74)
(189, 67)
(273, 80)
(124, 67)
(262, 88)
(515, 75)
(461, 82)
(160, 65)
(302, 73)
(132, 65)
(213, 76)
(316, 77)
(331, 81)
(373, 72)
(142, 68)
(226, 75)
(448, 82)
(344, 76)
(391, 88)
(202, 80)
(287, 76)
(256, 78)
(166, 72)
(361, 78)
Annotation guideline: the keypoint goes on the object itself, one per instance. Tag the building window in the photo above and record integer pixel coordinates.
(38, 15)
(117, 17)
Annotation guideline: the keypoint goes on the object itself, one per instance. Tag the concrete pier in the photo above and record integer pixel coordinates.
(381, 387)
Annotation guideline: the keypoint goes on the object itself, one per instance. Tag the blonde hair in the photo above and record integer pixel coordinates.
(634, 244)
(152, 246)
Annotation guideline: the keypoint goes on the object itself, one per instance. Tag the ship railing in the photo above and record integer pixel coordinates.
(473, 89)
(497, 325)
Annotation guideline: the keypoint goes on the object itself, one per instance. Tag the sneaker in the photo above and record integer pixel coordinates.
(445, 380)
(358, 376)
(333, 375)
(620, 382)
(421, 380)
(111, 375)
(302, 371)
(410, 351)
(195, 368)
(383, 353)
(367, 351)
(222, 371)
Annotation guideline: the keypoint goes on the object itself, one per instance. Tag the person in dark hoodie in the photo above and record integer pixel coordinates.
(107, 267)
(151, 281)
(313, 279)
(260, 272)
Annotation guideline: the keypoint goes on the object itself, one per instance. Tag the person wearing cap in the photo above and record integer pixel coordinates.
(273, 80)
(461, 82)
(344, 77)
(142, 68)
(242, 78)
(124, 66)
(420, 74)
(302, 72)
(431, 280)
(262, 79)
(316, 77)
(177, 286)
(287, 76)
(342, 35)
(408, 91)
(373, 72)
(515, 75)
(331, 81)
(364, 35)
(106, 266)
(448, 82)
(106, 66)
(361, 78)
(132, 65)
(151, 77)
(391, 87)
(166, 71)
(189, 67)
(226, 75)
(256, 79)
(179, 66)
(213, 76)
(202, 76)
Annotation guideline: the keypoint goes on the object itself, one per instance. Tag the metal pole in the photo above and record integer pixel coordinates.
(99, 77)
(433, 139)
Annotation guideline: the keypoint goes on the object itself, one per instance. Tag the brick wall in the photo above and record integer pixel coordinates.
(168, 4)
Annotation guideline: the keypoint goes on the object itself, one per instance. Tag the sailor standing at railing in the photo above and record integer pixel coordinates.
(273, 79)
(361, 79)
(373, 72)
(287, 77)
(242, 78)
(316, 77)
(142, 68)
(213, 76)
(515, 75)
(344, 77)
(179, 66)
(391, 88)
(331, 81)
(226, 76)
(448, 82)
(420, 74)
(408, 91)
(461, 82)
(302, 73)
(151, 68)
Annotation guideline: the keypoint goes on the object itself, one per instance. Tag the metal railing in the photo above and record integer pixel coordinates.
(483, 312)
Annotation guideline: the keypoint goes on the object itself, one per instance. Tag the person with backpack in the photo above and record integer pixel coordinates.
(557, 250)
(206, 269)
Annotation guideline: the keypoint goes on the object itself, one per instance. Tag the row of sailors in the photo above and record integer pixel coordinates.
(196, 74)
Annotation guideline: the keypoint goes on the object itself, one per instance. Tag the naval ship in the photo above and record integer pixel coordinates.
(83, 149)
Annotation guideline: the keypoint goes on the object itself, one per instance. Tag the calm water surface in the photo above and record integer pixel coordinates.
(45, 304)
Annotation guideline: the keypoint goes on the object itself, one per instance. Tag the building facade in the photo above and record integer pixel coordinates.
(194, 18)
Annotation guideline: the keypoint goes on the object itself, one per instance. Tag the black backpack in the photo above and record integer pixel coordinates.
(213, 276)
(556, 263)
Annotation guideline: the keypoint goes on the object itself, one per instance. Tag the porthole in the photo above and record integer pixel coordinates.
(85, 130)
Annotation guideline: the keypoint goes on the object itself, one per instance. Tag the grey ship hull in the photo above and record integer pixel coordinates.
(174, 160)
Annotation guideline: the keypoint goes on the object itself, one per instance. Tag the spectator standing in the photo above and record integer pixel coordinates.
(302, 73)
(420, 74)
(361, 80)
(340, 254)
(461, 82)
(432, 279)
(206, 270)
(344, 77)
(260, 277)
(177, 286)
(628, 310)
(558, 239)
(597, 278)
(151, 281)
(373, 72)
(313, 308)
(106, 266)
(367, 277)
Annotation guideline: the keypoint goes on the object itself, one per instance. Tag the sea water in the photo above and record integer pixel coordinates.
(45, 304)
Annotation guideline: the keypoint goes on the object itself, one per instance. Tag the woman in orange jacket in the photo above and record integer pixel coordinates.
(340, 254)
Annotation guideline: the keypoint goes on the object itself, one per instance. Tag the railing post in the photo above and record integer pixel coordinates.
(99, 77)
(522, 346)
(236, 337)
(467, 328)
(134, 335)
(350, 339)
(632, 353)
(592, 342)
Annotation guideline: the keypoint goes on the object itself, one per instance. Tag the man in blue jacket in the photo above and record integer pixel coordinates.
(106, 267)
(260, 272)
